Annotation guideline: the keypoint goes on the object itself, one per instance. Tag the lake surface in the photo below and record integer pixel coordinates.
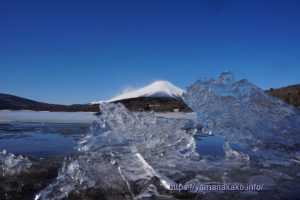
(49, 139)
(41, 139)
(210, 145)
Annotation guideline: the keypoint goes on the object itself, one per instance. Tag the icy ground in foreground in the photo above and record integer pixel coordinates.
(129, 156)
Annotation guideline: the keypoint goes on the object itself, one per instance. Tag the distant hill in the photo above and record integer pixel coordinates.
(289, 94)
(10, 102)
(158, 104)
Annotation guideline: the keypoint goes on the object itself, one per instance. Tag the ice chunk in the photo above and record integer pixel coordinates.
(245, 114)
(12, 164)
(127, 154)
(233, 154)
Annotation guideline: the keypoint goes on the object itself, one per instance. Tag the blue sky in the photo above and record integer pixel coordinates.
(79, 51)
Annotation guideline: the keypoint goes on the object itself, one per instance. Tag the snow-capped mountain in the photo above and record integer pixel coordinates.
(156, 89)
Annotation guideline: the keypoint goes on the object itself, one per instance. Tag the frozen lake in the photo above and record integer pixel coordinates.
(67, 117)
(46, 117)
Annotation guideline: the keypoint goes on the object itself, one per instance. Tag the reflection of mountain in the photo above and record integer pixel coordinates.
(289, 94)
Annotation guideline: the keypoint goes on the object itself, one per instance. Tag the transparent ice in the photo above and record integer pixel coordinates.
(259, 123)
(128, 155)
(12, 164)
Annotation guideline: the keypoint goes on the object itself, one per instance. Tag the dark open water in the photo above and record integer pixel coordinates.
(41, 139)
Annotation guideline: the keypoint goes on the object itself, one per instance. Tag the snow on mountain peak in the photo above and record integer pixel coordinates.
(161, 88)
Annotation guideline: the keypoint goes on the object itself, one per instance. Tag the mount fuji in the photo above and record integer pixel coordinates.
(157, 89)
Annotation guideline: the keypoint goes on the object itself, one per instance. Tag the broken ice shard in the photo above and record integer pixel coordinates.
(12, 164)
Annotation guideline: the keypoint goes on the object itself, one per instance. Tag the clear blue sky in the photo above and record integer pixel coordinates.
(79, 51)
